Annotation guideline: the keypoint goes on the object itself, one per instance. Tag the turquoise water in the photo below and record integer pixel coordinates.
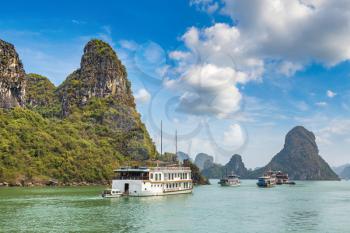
(305, 207)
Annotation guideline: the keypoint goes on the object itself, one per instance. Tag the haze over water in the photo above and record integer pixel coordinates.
(306, 207)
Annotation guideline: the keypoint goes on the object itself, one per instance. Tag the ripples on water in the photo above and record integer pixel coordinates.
(305, 207)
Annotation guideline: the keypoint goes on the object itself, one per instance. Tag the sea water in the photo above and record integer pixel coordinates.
(322, 206)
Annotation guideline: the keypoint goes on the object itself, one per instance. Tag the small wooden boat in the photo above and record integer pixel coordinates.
(111, 193)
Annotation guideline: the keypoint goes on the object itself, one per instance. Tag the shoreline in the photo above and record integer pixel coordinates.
(50, 184)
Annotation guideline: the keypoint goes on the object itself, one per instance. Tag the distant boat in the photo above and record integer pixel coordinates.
(268, 180)
(271, 178)
(231, 180)
(281, 178)
(110, 193)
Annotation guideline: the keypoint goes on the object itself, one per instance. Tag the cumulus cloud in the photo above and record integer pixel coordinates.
(142, 96)
(331, 94)
(210, 70)
(306, 30)
(287, 35)
(208, 89)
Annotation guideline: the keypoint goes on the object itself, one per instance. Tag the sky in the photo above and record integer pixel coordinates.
(231, 76)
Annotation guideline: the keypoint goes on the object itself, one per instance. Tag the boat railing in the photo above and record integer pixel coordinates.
(131, 178)
(171, 168)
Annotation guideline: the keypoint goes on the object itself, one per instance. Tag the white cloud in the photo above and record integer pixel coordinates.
(334, 131)
(289, 68)
(287, 35)
(142, 96)
(78, 22)
(321, 104)
(221, 45)
(294, 30)
(331, 94)
(234, 136)
(179, 55)
(128, 44)
(209, 6)
(208, 89)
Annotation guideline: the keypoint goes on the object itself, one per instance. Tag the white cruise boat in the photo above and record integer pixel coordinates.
(231, 180)
(152, 181)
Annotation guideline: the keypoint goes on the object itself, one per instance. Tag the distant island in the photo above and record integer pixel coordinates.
(299, 158)
(73, 134)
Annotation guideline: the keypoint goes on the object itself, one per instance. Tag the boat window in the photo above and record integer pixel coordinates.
(160, 176)
(151, 175)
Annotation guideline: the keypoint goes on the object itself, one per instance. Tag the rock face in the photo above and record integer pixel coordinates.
(299, 158)
(203, 160)
(12, 77)
(101, 74)
(101, 92)
(181, 156)
(235, 165)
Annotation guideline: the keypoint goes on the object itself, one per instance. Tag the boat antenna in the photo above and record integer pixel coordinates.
(161, 138)
(176, 145)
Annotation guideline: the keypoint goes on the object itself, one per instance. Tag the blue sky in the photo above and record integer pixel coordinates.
(226, 74)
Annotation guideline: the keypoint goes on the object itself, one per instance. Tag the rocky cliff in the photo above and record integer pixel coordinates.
(75, 133)
(203, 160)
(101, 75)
(181, 156)
(101, 91)
(299, 158)
(235, 165)
(12, 77)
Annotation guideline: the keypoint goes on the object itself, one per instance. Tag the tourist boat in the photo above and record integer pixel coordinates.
(231, 180)
(153, 181)
(268, 180)
(110, 193)
(281, 178)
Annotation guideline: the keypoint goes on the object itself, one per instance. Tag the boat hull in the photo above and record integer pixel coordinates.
(165, 193)
(229, 185)
(265, 185)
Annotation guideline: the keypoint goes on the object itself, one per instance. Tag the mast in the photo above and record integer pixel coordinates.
(161, 138)
(176, 142)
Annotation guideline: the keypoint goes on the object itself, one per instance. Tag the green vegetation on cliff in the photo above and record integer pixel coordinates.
(35, 149)
(77, 132)
(41, 97)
